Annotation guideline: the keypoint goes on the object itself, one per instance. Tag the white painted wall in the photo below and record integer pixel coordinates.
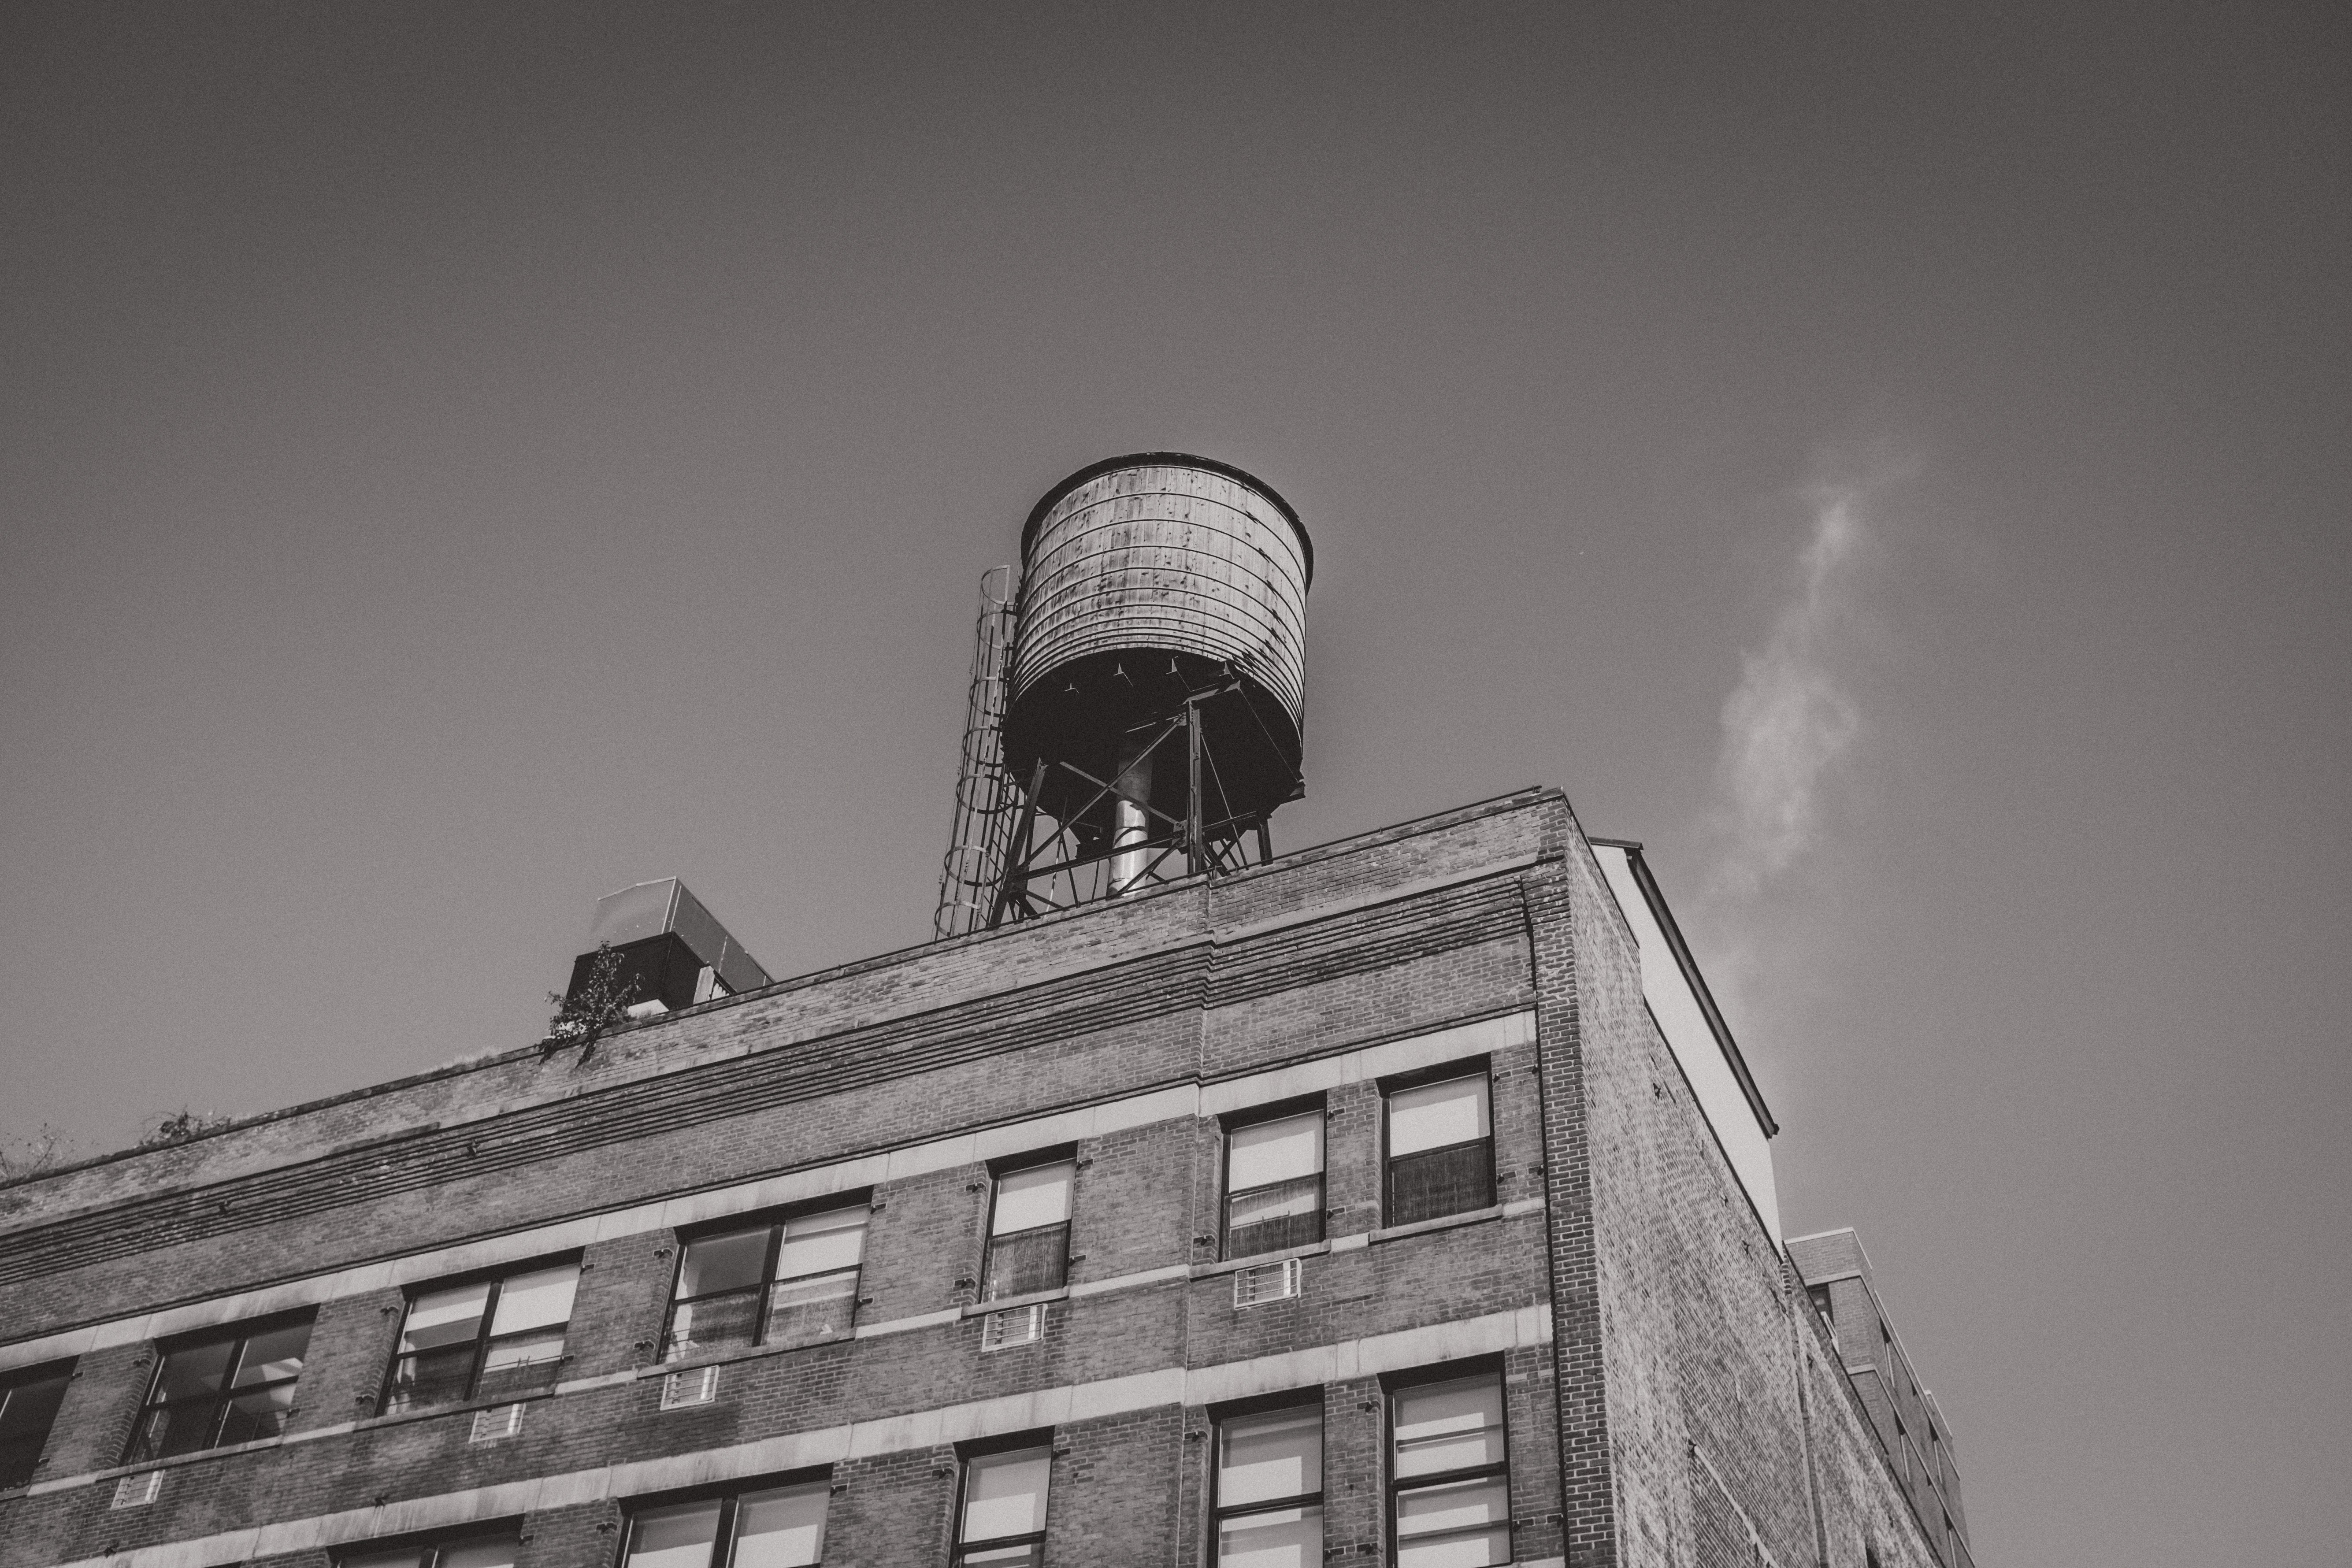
(1675, 1007)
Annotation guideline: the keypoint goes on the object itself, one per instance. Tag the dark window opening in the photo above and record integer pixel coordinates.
(483, 1339)
(495, 1549)
(1029, 1231)
(1268, 1499)
(1274, 1185)
(235, 1385)
(1441, 1149)
(30, 1398)
(764, 1527)
(1001, 1517)
(785, 1281)
(1449, 1474)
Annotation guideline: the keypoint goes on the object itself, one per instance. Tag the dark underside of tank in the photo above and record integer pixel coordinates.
(1094, 713)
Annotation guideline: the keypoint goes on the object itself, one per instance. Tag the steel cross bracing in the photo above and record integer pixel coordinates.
(1047, 867)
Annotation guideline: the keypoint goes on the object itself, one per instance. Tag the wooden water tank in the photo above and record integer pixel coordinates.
(1143, 578)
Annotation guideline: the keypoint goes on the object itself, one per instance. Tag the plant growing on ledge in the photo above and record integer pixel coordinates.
(601, 1002)
(180, 1126)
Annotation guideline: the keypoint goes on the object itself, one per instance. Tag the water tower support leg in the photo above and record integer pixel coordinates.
(1016, 861)
(1195, 852)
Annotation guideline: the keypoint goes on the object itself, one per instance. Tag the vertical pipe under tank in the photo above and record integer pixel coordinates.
(1131, 824)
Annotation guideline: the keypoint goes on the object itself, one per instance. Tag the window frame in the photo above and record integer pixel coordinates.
(1038, 1442)
(731, 1495)
(505, 1532)
(1243, 1410)
(999, 1171)
(1479, 1067)
(1399, 1387)
(497, 1277)
(777, 1221)
(239, 1337)
(13, 1382)
(1259, 1116)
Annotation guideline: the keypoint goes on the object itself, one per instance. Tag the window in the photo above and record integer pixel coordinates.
(28, 1407)
(484, 1339)
(1029, 1232)
(788, 1281)
(234, 1385)
(1441, 1149)
(1001, 1523)
(496, 1549)
(1449, 1479)
(1821, 1297)
(771, 1527)
(1274, 1185)
(1270, 1488)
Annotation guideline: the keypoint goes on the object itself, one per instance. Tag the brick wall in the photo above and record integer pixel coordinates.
(1670, 1324)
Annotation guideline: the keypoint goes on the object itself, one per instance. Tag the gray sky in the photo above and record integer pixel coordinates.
(457, 461)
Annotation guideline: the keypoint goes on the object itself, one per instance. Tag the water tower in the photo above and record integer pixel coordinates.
(1137, 705)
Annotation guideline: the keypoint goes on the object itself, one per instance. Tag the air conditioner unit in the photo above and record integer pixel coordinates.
(697, 1385)
(1018, 1326)
(497, 1423)
(1268, 1282)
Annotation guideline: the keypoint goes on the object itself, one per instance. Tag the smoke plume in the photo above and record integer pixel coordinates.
(1789, 723)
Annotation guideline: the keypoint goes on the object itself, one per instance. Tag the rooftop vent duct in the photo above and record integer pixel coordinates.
(673, 950)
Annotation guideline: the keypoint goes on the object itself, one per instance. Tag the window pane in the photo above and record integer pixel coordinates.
(1037, 1260)
(1444, 1426)
(532, 1349)
(1270, 1152)
(27, 1408)
(273, 1353)
(1437, 1114)
(1287, 1215)
(1285, 1200)
(447, 1317)
(197, 1369)
(727, 1262)
(26, 1413)
(432, 1377)
(390, 1557)
(804, 1310)
(1004, 1494)
(1467, 1524)
(499, 1553)
(1027, 1199)
(710, 1325)
(1029, 1556)
(1278, 1538)
(261, 1413)
(1262, 1458)
(540, 1299)
(182, 1429)
(1438, 1182)
(821, 1243)
(677, 1537)
(782, 1529)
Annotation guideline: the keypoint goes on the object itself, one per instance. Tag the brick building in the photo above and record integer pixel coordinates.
(1399, 1200)
(1904, 1415)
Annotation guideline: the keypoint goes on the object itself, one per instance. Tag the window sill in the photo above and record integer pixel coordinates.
(1260, 1259)
(172, 1462)
(1443, 1222)
(1007, 1303)
(744, 1352)
(455, 1407)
